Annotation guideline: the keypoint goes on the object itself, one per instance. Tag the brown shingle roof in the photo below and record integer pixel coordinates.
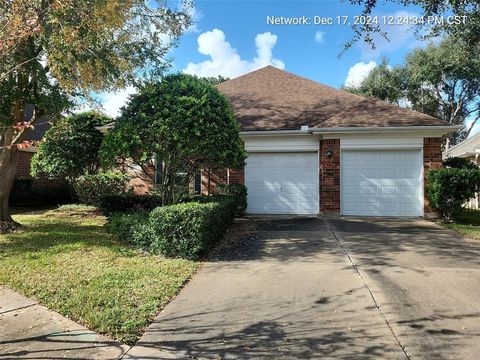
(273, 99)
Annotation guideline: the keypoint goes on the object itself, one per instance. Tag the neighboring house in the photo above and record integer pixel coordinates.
(27, 190)
(468, 149)
(25, 155)
(315, 149)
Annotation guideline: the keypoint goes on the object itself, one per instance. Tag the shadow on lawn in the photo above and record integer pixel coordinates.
(53, 234)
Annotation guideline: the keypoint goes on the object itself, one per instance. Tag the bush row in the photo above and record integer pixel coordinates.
(186, 230)
(112, 203)
(123, 202)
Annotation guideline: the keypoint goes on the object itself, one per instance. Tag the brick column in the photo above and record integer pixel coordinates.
(330, 175)
(432, 159)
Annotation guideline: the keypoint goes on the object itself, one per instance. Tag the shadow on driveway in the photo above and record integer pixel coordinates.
(285, 291)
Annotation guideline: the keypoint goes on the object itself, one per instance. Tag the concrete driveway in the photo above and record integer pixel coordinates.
(425, 279)
(337, 288)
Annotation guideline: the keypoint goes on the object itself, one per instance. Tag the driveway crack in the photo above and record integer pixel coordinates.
(338, 239)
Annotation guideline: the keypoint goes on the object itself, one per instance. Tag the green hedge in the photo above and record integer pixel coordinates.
(133, 228)
(91, 187)
(239, 194)
(449, 189)
(127, 202)
(185, 230)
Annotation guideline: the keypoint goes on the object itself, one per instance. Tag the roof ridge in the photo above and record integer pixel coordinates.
(248, 73)
(322, 84)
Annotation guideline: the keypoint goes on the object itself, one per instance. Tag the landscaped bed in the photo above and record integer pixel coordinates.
(467, 223)
(67, 261)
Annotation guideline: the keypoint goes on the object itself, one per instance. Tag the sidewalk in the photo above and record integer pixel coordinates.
(31, 331)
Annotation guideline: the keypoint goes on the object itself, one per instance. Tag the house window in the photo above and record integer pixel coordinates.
(197, 184)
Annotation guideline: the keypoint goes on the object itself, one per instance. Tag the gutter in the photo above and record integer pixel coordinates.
(345, 130)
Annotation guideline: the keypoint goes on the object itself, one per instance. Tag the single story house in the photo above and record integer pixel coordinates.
(25, 155)
(316, 149)
(27, 190)
(468, 149)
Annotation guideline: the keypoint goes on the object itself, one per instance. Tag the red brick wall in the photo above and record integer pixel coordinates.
(236, 176)
(218, 176)
(23, 166)
(23, 172)
(330, 176)
(432, 159)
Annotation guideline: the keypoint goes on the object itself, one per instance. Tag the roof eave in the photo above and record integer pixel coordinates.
(423, 130)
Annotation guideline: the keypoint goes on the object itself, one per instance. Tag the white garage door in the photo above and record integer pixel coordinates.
(381, 183)
(282, 183)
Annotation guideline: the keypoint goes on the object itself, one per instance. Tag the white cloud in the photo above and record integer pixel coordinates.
(319, 37)
(113, 101)
(195, 16)
(399, 35)
(225, 60)
(358, 72)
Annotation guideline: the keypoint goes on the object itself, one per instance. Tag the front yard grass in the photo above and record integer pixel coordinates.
(467, 223)
(67, 261)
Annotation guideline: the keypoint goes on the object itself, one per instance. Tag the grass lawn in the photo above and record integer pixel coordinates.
(467, 223)
(67, 261)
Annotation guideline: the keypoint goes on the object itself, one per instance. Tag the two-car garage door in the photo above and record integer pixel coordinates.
(373, 182)
(381, 183)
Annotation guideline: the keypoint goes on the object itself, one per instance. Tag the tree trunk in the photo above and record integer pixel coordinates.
(8, 168)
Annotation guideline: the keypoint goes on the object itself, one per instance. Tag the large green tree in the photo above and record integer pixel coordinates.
(54, 50)
(182, 122)
(440, 80)
(382, 82)
(70, 148)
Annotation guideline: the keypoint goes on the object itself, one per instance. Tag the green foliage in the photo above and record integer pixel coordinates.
(458, 163)
(184, 123)
(449, 189)
(238, 192)
(70, 148)
(440, 80)
(383, 82)
(189, 230)
(186, 230)
(132, 227)
(113, 203)
(89, 45)
(215, 80)
(91, 187)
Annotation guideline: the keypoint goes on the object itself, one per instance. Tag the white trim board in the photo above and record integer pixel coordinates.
(292, 143)
(379, 143)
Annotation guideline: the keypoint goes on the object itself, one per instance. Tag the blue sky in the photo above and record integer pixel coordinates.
(232, 37)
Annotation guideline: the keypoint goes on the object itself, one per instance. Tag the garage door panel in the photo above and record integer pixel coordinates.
(365, 189)
(381, 182)
(282, 183)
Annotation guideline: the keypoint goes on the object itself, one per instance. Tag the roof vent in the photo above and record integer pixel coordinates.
(304, 128)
